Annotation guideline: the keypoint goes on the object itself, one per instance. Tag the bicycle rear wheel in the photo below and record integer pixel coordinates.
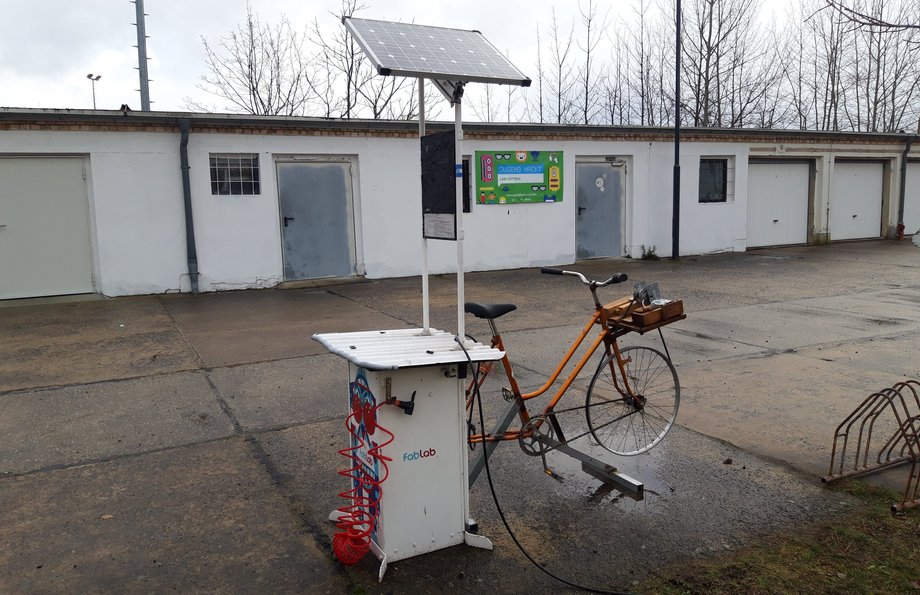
(627, 425)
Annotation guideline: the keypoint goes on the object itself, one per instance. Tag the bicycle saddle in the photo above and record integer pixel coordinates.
(488, 311)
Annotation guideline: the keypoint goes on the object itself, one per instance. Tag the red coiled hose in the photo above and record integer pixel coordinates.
(358, 518)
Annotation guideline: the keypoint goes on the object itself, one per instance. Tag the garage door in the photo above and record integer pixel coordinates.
(778, 203)
(856, 200)
(912, 199)
(44, 228)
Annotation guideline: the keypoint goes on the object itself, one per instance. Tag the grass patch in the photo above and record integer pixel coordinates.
(863, 550)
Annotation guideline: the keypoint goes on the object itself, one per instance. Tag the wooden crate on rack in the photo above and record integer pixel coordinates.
(645, 318)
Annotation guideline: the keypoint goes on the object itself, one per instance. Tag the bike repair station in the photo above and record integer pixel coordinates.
(407, 476)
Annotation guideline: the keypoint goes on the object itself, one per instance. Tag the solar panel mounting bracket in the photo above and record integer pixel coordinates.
(452, 91)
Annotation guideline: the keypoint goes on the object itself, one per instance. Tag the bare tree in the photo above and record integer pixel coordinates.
(638, 47)
(588, 79)
(341, 55)
(826, 78)
(616, 98)
(858, 14)
(753, 72)
(714, 31)
(404, 105)
(536, 107)
(795, 44)
(648, 47)
(325, 101)
(378, 93)
(882, 80)
(258, 69)
(513, 97)
(560, 80)
(487, 108)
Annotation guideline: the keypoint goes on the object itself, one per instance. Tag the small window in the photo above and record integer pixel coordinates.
(716, 180)
(235, 174)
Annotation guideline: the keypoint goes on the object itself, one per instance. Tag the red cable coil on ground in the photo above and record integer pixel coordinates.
(358, 519)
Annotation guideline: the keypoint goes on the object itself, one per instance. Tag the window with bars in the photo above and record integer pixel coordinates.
(235, 174)
(717, 180)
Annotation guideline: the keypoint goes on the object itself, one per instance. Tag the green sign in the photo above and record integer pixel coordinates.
(509, 177)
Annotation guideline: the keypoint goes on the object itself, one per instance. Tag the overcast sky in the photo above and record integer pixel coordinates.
(48, 47)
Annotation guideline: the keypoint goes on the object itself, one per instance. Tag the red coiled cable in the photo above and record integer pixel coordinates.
(358, 518)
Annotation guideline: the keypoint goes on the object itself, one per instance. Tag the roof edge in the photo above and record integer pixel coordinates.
(103, 117)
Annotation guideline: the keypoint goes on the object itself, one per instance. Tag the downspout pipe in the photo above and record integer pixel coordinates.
(902, 190)
(190, 250)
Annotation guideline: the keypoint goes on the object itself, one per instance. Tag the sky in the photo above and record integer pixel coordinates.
(47, 47)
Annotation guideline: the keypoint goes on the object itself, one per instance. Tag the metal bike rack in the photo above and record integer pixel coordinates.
(892, 417)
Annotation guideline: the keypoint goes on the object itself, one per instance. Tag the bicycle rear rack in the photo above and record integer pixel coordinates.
(892, 414)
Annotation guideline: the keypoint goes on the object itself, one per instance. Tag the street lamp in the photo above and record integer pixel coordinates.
(93, 79)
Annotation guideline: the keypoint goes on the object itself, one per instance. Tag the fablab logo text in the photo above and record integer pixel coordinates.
(419, 454)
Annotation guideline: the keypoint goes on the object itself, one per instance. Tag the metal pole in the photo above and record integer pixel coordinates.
(425, 296)
(675, 206)
(142, 54)
(458, 176)
(92, 80)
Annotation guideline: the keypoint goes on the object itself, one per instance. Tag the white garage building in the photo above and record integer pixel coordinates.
(100, 201)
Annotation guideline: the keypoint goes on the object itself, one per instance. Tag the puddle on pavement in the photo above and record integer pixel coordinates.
(644, 468)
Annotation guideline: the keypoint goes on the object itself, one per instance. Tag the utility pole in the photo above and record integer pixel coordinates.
(92, 79)
(675, 205)
(142, 53)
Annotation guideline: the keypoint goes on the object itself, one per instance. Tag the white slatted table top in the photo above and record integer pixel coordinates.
(403, 348)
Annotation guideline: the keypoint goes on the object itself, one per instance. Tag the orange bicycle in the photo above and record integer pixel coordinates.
(633, 397)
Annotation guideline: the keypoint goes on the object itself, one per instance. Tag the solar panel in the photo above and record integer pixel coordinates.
(407, 49)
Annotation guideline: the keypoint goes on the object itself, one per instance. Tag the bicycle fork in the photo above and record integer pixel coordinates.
(632, 398)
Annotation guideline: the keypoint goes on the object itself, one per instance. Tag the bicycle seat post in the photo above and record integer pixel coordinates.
(492, 326)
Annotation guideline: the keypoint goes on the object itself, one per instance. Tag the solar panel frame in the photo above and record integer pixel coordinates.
(432, 53)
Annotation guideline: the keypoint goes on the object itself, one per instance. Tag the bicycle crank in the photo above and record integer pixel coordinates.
(535, 436)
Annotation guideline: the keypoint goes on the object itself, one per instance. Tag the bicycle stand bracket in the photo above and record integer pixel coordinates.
(594, 467)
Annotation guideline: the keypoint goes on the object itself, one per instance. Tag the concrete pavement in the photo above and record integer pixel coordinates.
(189, 442)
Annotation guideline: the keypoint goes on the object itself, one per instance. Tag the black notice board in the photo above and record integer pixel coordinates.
(439, 186)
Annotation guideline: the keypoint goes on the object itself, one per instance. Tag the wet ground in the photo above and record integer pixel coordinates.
(189, 442)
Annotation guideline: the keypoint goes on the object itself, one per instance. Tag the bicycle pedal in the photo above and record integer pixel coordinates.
(553, 474)
(507, 395)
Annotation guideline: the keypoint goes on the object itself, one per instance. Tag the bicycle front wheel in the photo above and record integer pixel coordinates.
(629, 424)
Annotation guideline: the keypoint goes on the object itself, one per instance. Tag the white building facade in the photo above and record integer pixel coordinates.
(100, 201)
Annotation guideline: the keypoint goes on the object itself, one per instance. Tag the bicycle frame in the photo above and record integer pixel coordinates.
(607, 336)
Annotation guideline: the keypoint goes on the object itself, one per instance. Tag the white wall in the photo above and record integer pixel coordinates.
(136, 210)
(238, 237)
(135, 190)
(712, 227)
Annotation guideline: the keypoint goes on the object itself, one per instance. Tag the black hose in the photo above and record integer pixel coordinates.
(498, 507)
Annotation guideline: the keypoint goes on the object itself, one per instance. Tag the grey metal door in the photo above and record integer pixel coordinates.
(317, 231)
(45, 241)
(600, 204)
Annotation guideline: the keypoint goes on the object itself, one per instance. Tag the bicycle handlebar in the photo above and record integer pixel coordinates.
(616, 278)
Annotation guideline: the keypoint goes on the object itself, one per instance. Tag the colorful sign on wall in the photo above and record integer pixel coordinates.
(510, 177)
